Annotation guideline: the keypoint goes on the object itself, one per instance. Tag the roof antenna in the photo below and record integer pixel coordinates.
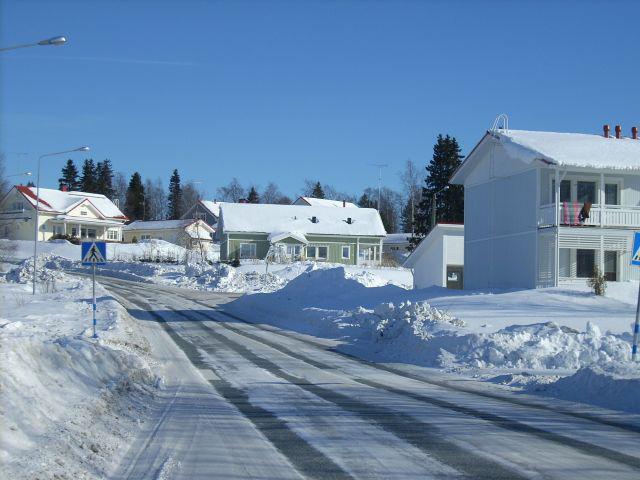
(505, 123)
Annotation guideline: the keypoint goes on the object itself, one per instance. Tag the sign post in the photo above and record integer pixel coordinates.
(635, 260)
(94, 253)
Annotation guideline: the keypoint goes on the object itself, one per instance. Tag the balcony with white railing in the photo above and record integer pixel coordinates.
(615, 216)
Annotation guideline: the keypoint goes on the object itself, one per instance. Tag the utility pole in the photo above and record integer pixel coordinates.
(380, 167)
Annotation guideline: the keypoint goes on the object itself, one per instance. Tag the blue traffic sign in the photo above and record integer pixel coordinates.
(94, 253)
(635, 253)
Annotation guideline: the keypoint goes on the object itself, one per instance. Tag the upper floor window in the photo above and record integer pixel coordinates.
(83, 212)
(611, 196)
(17, 206)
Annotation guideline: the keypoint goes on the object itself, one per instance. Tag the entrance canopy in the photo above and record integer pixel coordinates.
(276, 237)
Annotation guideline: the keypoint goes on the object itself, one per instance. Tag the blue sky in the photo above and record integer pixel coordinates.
(285, 91)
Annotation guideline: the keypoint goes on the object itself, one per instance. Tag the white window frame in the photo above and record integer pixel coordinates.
(84, 213)
(348, 247)
(252, 247)
(144, 236)
(112, 234)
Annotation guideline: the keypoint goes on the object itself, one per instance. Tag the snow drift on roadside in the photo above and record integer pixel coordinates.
(616, 385)
(335, 304)
(68, 402)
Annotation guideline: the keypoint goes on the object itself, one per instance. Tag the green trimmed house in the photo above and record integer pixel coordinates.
(284, 233)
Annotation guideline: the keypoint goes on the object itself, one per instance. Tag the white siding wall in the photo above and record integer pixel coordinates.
(428, 269)
(500, 232)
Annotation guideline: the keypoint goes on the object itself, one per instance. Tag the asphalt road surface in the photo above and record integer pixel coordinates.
(243, 399)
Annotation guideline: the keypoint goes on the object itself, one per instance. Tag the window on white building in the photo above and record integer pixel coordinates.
(112, 234)
(83, 212)
(145, 237)
(247, 250)
(611, 196)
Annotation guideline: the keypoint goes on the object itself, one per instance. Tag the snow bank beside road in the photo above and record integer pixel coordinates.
(389, 324)
(68, 403)
(615, 386)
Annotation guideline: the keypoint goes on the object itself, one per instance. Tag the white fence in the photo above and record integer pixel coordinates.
(609, 216)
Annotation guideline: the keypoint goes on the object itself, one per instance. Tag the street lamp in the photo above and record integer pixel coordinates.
(28, 174)
(434, 205)
(56, 41)
(35, 239)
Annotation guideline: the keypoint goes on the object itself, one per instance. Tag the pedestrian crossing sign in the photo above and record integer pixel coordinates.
(635, 254)
(94, 253)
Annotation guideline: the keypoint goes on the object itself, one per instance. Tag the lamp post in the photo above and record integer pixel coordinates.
(36, 228)
(56, 41)
(434, 205)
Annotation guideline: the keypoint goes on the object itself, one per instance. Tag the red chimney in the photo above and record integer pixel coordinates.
(618, 131)
(606, 131)
(64, 188)
(634, 133)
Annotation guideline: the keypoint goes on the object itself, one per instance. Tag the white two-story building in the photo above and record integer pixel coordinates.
(545, 208)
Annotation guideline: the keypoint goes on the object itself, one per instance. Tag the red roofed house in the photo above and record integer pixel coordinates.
(78, 214)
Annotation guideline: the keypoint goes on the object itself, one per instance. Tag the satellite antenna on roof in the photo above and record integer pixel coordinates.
(505, 123)
(380, 167)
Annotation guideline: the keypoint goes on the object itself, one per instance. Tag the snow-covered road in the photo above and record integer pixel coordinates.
(246, 400)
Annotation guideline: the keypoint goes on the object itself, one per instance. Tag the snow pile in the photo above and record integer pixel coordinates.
(538, 346)
(417, 319)
(221, 277)
(68, 403)
(49, 268)
(616, 385)
(388, 323)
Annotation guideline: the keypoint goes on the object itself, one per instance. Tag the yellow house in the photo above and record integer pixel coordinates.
(77, 214)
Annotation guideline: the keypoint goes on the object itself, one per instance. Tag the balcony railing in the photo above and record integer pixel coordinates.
(609, 216)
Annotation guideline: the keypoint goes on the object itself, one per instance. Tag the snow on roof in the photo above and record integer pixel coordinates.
(572, 149)
(323, 202)
(58, 201)
(277, 236)
(162, 224)
(266, 218)
(212, 206)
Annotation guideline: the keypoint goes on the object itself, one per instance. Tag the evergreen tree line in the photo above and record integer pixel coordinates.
(412, 212)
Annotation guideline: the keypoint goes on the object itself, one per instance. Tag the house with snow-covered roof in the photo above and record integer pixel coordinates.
(205, 210)
(293, 232)
(546, 208)
(323, 202)
(77, 214)
(187, 233)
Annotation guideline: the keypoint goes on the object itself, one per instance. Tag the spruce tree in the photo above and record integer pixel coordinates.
(253, 196)
(104, 179)
(88, 180)
(69, 178)
(136, 207)
(449, 199)
(317, 191)
(175, 196)
(366, 202)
